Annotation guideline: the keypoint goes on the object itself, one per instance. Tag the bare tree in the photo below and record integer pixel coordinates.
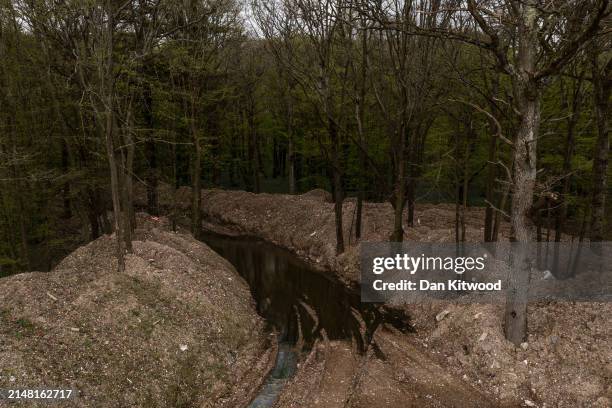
(601, 71)
(314, 27)
(530, 41)
(407, 100)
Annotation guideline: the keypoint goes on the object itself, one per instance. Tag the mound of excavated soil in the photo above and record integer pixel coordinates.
(177, 329)
(566, 361)
(306, 226)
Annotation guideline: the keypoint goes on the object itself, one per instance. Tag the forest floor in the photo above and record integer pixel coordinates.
(566, 362)
(177, 329)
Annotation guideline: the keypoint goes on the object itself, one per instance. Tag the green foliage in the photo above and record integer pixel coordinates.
(250, 102)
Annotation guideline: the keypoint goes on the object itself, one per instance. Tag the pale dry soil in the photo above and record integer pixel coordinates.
(177, 329)
(461, 360)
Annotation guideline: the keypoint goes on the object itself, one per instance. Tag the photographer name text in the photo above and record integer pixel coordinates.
(426, 285)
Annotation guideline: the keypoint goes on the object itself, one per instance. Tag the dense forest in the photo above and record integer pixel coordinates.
(503, 104)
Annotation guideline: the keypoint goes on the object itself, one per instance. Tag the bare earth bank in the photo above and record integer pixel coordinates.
(177, 329)
(461, 360)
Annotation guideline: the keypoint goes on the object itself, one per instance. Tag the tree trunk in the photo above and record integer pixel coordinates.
(276, 157)
(196, 200)
(400, 185)
(490, 193)
(465, 189)
(112, 163)
(151, 178)
(253, 150)
(491, 169)
(18, 192)
(175, 182)
(125, 204)
(67, 213)
(291, 159)
(290, 147)
(527, 94)
(411, 195)
(109, 95)
(127, 189)
(498, 217)
(337, 184)
(567, 165)
(522, 228)
(602, 84)
(94, 222)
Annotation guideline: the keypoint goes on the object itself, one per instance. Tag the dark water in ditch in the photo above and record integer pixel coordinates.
(297, 302)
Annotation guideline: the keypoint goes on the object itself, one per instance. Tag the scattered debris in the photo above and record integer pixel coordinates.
(442, 315)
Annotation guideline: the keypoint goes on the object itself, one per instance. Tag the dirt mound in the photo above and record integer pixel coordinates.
(178, 328)
(565, 362)
(306, 226)
(319, 194)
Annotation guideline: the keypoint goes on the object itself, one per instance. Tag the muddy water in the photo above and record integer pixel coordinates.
(298, 302)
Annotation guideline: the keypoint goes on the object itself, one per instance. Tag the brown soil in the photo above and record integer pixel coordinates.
(566, 362)
(177, 329)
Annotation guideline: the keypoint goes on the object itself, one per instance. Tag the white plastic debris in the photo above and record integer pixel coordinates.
(442, 315)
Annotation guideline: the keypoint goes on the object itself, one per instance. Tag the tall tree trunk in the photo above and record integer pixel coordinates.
(175, 182)
(253, 150)
(337, 184)
(109, 95)
(276, 157)
(465, 186)
(522, 228)
(490, 192)
(360, 115)
(361, 195)
(527, 94)
(151, 178)
(462, 185)
(412, 175)
(290, 146)
(125, 203)
(21, 211)
(491, 169)
(412, 179)
(291, 159)
(196, 199)
(602, 84)
(112, 163)
(127, 161)
(498, 217)
(399, 199)
(67, 213)
(25, 251)
(416, 163)
(567, 161)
